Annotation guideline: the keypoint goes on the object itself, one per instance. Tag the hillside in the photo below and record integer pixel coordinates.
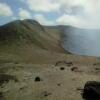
(30, 32)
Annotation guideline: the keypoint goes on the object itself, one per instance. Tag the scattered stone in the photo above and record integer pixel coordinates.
(38, 79)
(58, 63)
(45, 94)
(2, 86)
(62, 68)
(5, 78)
(59, 84)
(97, 68)
(16, 63)
(22, 88)
(1, 96)
(79, 89)
(69, 64)
(74, 79)
(94, 64)
(74, 69)
(91, 91)
(63, 63)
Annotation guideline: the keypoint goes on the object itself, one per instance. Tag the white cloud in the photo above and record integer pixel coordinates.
(42, 19)
(89, 6)
(5, 10)
(87, 17)
(72, 20)
(77, 21)
(43, 5)
(68, 19)
(88, 11)
(51, 5)
(24, 14)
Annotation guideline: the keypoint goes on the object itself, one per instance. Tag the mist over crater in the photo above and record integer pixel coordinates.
(82, 41)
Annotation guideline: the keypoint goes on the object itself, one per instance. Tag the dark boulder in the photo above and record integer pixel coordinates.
(59, 63)
(62, 68)
(91, 91)
(46, 94)
(38, 79)
(75, 69)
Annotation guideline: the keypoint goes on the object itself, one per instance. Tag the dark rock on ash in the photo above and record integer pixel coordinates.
(59, 84)
(45, 94)
(59, 63)
(91, 91)
(74, 69)
(1, 96)
(5, 78)
(69, 64)
(97, 69)
(62, 68)
(38, 79)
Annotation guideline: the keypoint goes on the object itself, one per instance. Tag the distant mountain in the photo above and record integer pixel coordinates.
(30, 32)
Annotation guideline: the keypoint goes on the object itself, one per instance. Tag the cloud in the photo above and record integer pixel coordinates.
(50, 5)
(5, 10)
(73, 21)
(62, 5)
(81, 13)
(24, 14)
(42, 20)
(68, 19)
(43, 5)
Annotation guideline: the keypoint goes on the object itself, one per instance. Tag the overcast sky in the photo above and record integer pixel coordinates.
(80, 13)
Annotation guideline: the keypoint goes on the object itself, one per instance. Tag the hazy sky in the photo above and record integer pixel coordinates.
(81, 13)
